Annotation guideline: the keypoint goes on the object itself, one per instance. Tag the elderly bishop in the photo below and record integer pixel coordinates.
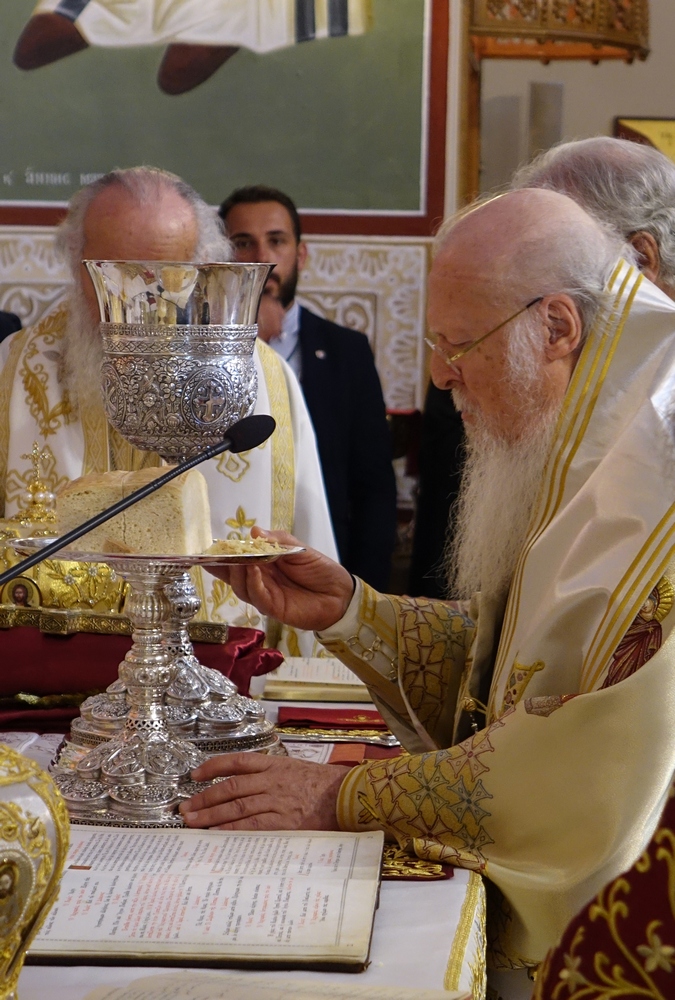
(536, 708)
(50, 386)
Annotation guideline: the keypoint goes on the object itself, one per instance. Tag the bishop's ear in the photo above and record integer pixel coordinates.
(563, 323)
(649, 258)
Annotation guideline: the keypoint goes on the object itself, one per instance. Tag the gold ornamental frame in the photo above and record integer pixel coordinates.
(560, 29)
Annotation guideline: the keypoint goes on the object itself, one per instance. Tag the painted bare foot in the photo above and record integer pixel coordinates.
(46, 39)
(185, 66)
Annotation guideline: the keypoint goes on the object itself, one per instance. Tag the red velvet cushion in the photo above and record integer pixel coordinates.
(40, 664)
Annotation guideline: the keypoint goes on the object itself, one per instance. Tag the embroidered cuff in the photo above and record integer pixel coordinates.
(368, 630)
(364, 640)
(350, 811)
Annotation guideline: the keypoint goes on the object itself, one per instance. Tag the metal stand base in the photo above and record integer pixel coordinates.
(163, 716)
(99, 804)
(200, 704)
(141, 774)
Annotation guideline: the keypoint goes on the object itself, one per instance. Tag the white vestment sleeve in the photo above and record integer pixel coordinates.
(311, 523)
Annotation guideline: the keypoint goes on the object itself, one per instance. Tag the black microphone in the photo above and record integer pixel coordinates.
(242, 436)
(246, 434)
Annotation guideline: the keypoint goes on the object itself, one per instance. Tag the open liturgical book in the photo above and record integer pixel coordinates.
(214, 898)
(314, 678)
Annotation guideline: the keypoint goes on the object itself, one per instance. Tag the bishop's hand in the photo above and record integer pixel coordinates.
(265, 792)
(306, 590)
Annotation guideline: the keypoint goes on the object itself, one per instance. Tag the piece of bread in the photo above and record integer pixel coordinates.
(244, 546)
(175, 520)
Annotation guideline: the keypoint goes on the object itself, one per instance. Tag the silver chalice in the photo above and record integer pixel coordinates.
(178, 371)
(178, 341)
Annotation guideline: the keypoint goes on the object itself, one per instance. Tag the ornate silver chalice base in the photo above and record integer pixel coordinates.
(178, 371)
(135, 777)
(138, 771)
(200, 704)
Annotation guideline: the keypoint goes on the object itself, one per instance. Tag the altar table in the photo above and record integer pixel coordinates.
(427, 935)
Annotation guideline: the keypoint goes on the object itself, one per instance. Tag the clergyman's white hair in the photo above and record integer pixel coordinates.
(571, 256)
(551, 246)
(501, 478)
(144, 185)
(628, 186)
(83, 349)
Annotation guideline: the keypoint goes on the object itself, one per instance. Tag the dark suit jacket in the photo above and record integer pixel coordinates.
(344, 399)
(9, 323)
(441, 460)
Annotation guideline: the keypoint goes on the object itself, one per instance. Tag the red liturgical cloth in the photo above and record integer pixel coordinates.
(332, 718)
(47, 665)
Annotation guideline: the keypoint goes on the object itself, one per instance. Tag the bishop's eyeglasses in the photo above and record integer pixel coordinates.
(450, 360)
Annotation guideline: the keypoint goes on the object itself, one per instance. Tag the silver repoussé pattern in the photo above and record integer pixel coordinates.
(177, 390)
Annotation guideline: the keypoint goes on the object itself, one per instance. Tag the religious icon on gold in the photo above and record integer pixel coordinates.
(22, 592)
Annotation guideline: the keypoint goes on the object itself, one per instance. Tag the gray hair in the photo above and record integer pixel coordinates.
(576, 256)
(145, 185)
(628, 186)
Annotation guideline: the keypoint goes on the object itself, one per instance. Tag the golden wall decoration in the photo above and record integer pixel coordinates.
(656, 132)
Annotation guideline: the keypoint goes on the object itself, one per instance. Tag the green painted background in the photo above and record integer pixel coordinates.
(336, 122)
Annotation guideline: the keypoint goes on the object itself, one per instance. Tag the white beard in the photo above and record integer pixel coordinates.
(499, 487)
(83, 352)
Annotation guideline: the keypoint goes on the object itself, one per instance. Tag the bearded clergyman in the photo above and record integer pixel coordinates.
(50, 386)
(536, 710)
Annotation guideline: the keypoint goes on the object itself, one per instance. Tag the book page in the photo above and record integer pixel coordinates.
(235, 986)
(184, 893)
(314, 670)
(219, 852)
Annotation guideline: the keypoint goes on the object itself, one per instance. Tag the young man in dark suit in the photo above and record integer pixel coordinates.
(337, 372)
